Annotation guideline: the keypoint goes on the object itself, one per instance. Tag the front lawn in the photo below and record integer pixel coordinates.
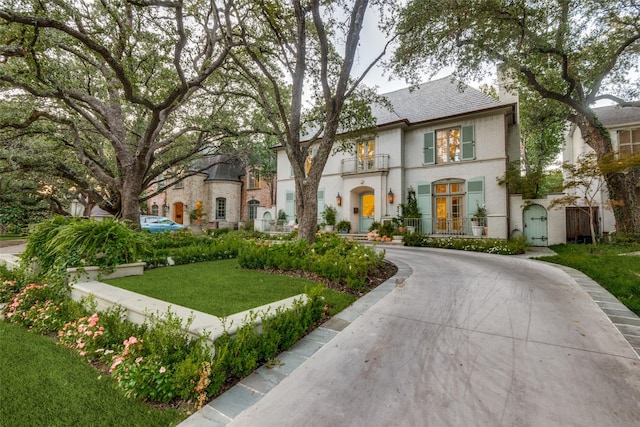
(44, 384)
(222, 288)
(607, 265)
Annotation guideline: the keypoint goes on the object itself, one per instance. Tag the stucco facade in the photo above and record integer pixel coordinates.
(447, 146)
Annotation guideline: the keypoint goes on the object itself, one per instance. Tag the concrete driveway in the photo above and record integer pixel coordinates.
(467, 340)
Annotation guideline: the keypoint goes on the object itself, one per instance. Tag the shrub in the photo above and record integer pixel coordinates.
(163, 363)
(494, 246)
(41, 308)
(332, 257)
(61, 243)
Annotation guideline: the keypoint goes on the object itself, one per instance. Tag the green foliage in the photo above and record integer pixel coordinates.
(410, 209)
(343, 226)
(61, 243)
(330, 256)
(74, 393)
(607, 264)
(41, 308)
(512, 246)
(186, 250)
(239, 354)
(163, 363)
(329, 215)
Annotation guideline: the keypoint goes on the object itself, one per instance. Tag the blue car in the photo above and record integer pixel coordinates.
(158, 224)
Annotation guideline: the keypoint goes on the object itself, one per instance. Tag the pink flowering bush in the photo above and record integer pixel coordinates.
(162, 364)
(83, 336)
(41, 308)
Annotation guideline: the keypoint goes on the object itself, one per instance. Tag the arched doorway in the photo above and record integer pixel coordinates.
(367, 211)
(534, 218)
(178, 212)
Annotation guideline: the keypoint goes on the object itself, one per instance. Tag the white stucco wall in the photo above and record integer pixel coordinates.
(556, 218)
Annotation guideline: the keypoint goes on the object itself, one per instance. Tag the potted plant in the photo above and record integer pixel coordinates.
(329, 216)
(343, 227)
(478, 220)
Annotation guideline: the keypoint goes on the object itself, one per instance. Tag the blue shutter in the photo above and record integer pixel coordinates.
(429, 148)
(468, 142)
(289, 205)
(423, 197)
(475, 197)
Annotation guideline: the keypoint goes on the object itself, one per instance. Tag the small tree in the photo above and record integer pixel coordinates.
(583, 182)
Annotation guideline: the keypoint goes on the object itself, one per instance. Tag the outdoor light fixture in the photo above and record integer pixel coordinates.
(339, 200)
(390, 197)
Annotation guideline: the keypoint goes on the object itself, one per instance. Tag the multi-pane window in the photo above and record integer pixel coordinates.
(629, 141)
(366, 154)
(449, 207)
(253, 209)
(448, 145)
(254, 180)
(154, 209)
(221, 208)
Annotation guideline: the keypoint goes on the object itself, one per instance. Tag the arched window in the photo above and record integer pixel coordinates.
(154, 209)
(221, 208)
(253, 209)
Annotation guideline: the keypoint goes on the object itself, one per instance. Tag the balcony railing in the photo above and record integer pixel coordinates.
(449, 226)
(376, 163)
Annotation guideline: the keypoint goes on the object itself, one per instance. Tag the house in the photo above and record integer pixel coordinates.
(226, 194)
(543, 226)
(445, 142)
(623, 124)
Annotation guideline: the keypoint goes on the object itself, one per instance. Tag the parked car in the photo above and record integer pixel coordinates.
(158, 224)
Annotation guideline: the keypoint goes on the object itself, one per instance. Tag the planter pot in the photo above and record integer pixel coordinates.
(93, 273)
(477, 230)
(328, 228)
(411, 229)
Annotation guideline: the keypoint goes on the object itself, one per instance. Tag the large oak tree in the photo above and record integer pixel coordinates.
(573, 52)
(298, 59)
(130, 86)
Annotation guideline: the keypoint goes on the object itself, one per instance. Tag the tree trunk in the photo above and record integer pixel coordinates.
(621, 182)
(129, 197)
(307, 209)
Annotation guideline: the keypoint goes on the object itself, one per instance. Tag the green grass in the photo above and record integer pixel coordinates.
(221, 287)
(619, 274)
(43, 384)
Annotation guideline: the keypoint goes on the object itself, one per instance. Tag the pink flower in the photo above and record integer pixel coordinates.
(162, 370)
(138, 360)
(82, 353)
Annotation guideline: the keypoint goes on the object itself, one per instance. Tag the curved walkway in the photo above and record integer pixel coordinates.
(466, 339)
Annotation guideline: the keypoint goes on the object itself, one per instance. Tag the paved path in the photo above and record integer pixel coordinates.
(467, 340)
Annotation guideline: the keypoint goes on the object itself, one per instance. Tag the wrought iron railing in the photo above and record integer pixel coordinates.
(354, 165)
(446, 226)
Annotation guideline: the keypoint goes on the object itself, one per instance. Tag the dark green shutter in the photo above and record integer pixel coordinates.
(429, 148)
(468, 142)
(423, 197)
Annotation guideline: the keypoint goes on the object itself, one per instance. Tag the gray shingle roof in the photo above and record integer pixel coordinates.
(612, 115)
(433, 100)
